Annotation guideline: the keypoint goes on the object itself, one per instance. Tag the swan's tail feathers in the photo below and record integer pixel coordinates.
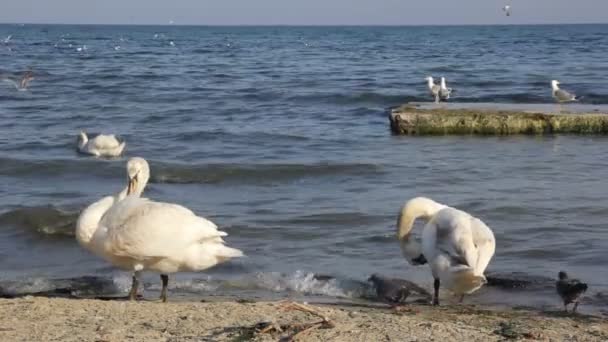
(225, 253)
(465, 281)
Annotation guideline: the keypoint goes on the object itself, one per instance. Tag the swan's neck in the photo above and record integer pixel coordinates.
(554, 86)
(82, 141)
(443, 83)
(88, 221)
(419, 207)
(430, 83)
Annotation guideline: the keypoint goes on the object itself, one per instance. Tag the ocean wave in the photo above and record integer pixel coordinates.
(174, 173)
(42, 220)
(356, 98)
(254, 173)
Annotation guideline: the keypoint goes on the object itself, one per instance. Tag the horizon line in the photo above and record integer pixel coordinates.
(303, 25)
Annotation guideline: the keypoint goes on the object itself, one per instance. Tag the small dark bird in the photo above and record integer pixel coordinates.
(569, 289)
(395, 291)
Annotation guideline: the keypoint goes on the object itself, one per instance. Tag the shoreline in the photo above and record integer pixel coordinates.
(44, 319)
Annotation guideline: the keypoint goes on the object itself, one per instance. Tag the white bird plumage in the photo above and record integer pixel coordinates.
(138, 234)
(444, 91)
(433, 88)
(457, 246)
(561, 95)
(100, 146)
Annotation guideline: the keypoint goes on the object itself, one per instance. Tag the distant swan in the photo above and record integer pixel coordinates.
(457, 246)
(141, 235)
(101, 145)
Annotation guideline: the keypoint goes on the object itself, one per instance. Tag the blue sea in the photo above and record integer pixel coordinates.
(280, 136)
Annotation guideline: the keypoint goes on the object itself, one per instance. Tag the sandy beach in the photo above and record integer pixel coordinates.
(57, 319)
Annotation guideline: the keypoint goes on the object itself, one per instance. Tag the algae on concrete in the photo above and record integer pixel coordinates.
(409, 120)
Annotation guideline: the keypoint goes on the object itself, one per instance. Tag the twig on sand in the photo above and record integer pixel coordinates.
(305, 328)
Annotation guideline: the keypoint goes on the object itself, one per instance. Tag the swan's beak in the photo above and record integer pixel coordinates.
(132, 185)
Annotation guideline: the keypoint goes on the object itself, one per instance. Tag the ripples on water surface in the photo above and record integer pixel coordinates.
(280, 136)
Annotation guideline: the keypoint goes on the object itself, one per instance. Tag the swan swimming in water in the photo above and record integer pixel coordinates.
(139, 235)
(100, 146)
(457, 246)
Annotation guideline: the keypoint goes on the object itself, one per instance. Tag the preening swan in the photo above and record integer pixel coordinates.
(138, 234)
(100, 146)
(457, 246)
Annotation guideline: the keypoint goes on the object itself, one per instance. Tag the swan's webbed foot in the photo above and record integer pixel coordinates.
(163, 293)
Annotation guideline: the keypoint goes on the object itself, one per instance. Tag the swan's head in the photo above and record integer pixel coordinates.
(138, 174)
(429, 79)
(554, 84)
(412, 252)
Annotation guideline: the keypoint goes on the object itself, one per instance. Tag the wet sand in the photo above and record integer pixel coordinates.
(57, 319)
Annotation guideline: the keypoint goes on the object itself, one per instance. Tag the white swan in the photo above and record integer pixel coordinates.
(457, 246)
(100, 146)
(141, 235)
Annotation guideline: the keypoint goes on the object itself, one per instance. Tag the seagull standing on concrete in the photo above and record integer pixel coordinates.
(433, 88)
(444, 91)
(561, 95)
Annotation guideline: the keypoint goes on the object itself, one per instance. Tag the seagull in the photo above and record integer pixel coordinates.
(23, 82)
(444, 91)
(507, 10)
(569, 289)
(433, 88)
(561, 95)
(8, 39)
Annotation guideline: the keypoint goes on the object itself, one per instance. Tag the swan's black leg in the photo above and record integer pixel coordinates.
(163, 293)
(436, 296)
(134, 286)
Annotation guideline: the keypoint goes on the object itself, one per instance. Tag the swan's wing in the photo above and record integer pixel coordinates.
(104, 142)
(485, 242)
(142, 229)
(454, 238)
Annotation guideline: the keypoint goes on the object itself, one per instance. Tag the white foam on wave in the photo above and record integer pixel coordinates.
(305, 283)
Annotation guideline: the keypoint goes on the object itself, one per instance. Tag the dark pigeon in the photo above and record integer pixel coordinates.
(570, 290)
(394, 290)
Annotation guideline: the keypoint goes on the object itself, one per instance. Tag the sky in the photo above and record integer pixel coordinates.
(302, 12)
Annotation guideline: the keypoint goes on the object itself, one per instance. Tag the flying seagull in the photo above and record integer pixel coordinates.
(507, 10)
